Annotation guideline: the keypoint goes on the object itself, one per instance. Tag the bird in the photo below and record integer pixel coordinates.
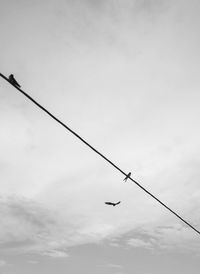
(113, 204)
(127, 176)
(13, 81)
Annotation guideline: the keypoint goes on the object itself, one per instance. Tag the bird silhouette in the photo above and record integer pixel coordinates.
(127, 177)
(13, 81)
(113, 204)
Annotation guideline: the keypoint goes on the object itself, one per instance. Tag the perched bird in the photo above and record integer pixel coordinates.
(13, 81)
(113, 204)
(127, 177)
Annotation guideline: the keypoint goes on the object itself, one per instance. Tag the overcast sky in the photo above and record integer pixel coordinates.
(124, 74)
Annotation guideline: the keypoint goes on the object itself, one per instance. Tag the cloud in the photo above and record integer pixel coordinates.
(70, 214)
(55, 254)
(33, 262)
(111, 265)
(175, 237)
(2, 263)
(26, 225)
(30, 227)
(114, 265)
(139, 243)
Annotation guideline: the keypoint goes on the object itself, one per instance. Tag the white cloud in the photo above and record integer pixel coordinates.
(2, 263)
(55, 254)
(26, 226)
(139, 243)
(176, 237)
(33, 262)
(114, 265)
(166, 238)
(111, 265)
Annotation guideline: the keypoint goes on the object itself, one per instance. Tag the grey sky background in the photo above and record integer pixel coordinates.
(125, 76)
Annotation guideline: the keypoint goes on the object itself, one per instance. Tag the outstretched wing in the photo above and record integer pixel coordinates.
(113, 204)
(109, 203)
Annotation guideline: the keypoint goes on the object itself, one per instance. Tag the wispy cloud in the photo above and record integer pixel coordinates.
(175, 237)
(2, 263)
(26, 225)
(114, 265)
(33, 262)
(139, 243)
(110, 265)
(55, 254)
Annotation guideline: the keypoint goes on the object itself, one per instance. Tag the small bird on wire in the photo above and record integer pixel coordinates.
(113, 204)
(13, 81)
(127, 177)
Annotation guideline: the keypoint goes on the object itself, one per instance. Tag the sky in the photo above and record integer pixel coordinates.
(125, 76)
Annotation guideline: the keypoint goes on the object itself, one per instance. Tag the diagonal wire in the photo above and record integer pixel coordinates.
(99, 153)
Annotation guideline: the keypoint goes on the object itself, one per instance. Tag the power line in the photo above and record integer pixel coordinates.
(99, 153)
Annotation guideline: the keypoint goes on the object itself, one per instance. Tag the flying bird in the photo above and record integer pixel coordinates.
(13, 81)
(113, 204)
(127, 176)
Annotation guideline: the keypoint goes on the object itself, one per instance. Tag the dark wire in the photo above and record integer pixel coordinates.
(79, 137)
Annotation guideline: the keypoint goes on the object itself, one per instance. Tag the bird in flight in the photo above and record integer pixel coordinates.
(113, 204)
(13, 81)
(127, 176)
